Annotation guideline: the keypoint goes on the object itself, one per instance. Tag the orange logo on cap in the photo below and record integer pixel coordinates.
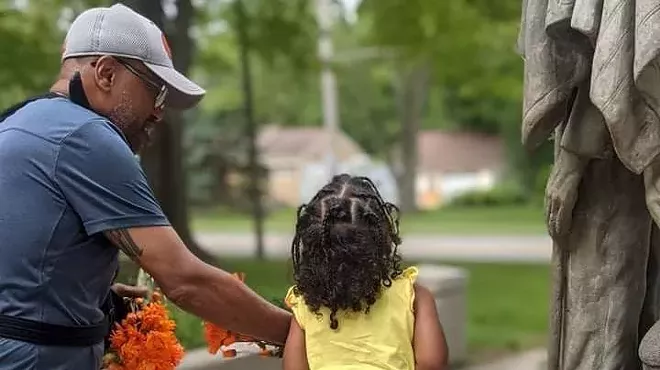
(168, 51)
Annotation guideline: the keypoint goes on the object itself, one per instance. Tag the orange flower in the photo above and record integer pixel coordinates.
(145, 339)
(217, 337)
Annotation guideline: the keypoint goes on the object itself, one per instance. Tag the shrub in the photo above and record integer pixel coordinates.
(498, 196)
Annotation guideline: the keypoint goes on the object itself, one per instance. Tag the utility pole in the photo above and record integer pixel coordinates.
(328, 82)
(251, 129)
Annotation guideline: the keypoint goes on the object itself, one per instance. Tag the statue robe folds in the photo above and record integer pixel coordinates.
(592, 78)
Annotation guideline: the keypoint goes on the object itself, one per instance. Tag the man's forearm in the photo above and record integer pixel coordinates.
(218, 297)
(203, 290)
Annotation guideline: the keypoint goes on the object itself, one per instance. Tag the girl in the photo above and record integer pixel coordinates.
(354, 306)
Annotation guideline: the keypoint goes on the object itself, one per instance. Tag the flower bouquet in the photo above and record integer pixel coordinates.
(145, 339)
(220, 340)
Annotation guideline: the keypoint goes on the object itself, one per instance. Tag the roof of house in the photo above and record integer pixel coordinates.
(303, 142)
(446, 151)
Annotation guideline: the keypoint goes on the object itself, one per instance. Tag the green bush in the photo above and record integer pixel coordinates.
(499, 196)
(189, 328)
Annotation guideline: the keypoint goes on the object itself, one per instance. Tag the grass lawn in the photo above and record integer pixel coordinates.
(464, 220)
(507, 304)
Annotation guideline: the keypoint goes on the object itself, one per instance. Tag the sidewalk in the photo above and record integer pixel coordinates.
(202, 360)
(246, 358)
(530, 360)
(507, 248)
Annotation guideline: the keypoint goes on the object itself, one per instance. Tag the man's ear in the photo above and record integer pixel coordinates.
(105, 71)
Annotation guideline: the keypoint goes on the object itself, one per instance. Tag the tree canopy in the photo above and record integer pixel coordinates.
(475, 79)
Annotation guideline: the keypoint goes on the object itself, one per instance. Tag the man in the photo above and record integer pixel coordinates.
(72, 194)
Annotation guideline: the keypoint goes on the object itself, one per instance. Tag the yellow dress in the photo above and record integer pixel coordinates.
(381, 339)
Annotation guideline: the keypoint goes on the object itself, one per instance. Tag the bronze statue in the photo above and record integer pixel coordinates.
(592, 82)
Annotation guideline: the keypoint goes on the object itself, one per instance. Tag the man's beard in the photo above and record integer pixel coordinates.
(137, 131)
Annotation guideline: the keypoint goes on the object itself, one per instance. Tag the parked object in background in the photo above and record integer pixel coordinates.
(451, 164)
(312, 178)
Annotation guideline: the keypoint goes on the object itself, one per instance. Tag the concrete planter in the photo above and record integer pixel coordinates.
(449, 286)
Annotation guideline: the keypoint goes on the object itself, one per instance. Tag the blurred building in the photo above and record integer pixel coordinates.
(314, 177)
(449, 164)
(288, 152)
(454, 163)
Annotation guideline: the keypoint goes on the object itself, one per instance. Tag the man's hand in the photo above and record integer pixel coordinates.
(562, 192)
(129, 291)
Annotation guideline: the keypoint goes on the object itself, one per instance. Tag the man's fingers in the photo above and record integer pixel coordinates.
(130, 291)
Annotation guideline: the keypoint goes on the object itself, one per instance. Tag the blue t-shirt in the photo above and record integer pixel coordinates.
(66, 175)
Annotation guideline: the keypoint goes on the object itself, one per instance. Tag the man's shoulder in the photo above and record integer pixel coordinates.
(56, 119)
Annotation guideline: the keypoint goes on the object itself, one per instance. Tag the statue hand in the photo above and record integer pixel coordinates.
(562, 193)
(652, 190)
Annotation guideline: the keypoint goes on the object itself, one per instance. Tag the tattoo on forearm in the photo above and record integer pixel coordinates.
(122, 239)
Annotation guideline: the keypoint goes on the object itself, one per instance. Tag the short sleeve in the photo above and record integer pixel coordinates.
(103, 182)
(297, 306)
(410, 276)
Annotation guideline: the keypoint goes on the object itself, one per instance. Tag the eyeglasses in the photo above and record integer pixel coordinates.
(161, 90)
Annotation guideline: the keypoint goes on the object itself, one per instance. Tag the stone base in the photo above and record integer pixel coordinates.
(649, 349)
(449, 285)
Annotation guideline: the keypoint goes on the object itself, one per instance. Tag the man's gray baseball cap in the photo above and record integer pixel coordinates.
(120, 31)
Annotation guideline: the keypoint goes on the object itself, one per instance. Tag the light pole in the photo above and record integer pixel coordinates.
(251, 129)
(328, 83)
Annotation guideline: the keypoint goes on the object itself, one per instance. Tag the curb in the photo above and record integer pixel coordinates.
(534, 359)
(201, 359)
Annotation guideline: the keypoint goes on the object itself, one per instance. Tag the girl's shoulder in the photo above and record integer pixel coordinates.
(292, 299)
(407, 276)
(410, 273)
(404, 286)
(297, 306)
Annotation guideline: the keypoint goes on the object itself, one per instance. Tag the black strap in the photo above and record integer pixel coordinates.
(41, 333)
(45, 334)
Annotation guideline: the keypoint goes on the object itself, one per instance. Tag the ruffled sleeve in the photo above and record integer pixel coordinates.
(410, 273)
(297, 306)
(410, 276)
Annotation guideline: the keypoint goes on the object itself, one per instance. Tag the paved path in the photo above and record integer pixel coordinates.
(201, 360)
(246, 359)
(534, 248)
(530, 360)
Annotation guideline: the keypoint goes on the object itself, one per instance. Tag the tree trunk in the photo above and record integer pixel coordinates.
(254, 191)
(412, 93)
(163, 160)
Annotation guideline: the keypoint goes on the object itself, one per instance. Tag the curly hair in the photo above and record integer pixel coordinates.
(345, 247)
